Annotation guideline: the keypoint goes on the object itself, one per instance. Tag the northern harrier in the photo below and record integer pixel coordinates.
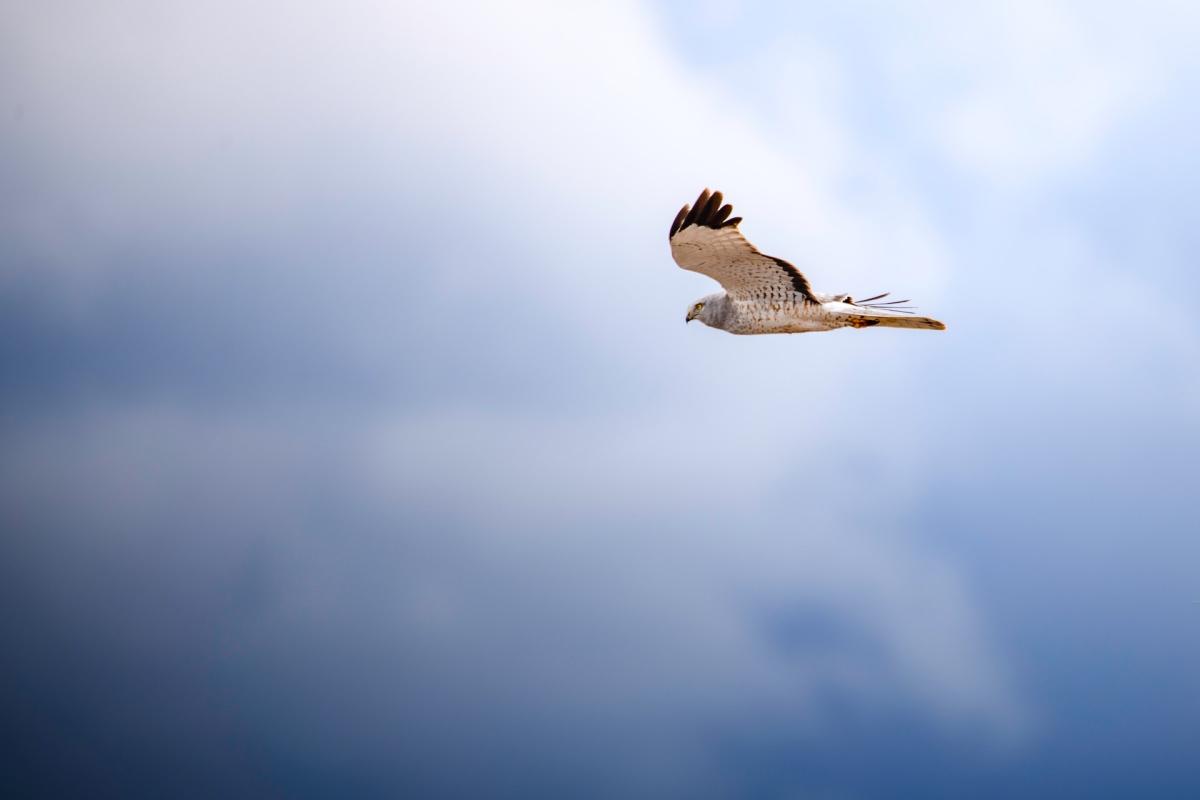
(764, 294)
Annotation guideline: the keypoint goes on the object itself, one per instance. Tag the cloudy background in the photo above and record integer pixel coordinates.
(354, 444)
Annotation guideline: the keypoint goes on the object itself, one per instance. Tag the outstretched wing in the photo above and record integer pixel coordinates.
(705, 239)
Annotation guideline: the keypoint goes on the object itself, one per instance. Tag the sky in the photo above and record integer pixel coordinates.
(354, 444)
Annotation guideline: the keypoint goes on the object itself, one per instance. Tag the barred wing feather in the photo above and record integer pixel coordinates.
(705, 239)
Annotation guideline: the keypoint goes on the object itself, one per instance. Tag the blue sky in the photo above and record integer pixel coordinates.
(354, 442)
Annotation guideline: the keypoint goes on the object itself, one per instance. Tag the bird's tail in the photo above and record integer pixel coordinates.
(877, 311)
(887, 320)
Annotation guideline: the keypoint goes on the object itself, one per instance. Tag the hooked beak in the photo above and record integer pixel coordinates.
(691, 315)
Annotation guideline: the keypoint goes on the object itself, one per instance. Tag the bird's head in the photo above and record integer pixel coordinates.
(705, 308)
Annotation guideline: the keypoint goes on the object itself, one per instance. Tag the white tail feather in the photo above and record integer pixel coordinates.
(867, 316)
(888, 321)
(857, 316)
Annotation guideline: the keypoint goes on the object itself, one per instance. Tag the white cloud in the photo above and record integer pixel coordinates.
(558, 140)
(1028, 90)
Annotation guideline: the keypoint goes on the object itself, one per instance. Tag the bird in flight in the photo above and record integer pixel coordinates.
(764, 294)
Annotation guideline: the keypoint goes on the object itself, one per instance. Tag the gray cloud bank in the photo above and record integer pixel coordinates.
(354, 442)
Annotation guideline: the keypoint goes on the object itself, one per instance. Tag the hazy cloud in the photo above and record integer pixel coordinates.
(354, 437)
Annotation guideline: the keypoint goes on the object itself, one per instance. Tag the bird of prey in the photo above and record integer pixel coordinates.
(764, 294)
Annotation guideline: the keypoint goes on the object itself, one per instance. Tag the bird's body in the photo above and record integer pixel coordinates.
(790, 313)
(764, 294)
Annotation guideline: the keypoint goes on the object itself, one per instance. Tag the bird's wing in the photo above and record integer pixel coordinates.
(705, 239)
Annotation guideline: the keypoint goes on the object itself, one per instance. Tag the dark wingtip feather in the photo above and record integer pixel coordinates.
(675, 226)
(707, 211)
(889, 305)
(710, 209)
(694, 214)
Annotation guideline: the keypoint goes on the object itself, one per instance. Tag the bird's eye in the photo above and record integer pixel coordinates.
(698, 307)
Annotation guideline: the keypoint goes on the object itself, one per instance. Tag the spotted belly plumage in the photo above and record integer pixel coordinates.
(778, 315)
